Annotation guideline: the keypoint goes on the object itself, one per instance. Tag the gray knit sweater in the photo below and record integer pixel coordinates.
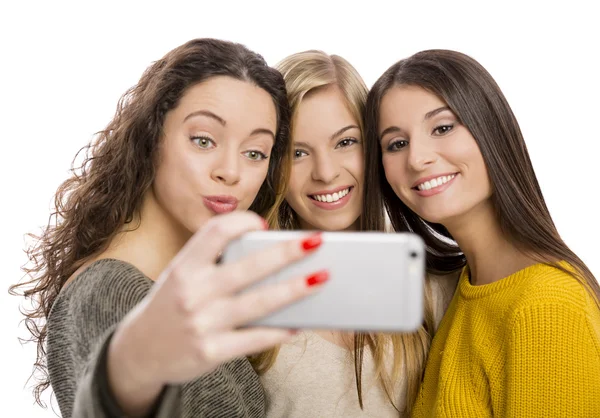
(80, 326)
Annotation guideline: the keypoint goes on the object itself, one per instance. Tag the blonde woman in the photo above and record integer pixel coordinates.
(322, 373)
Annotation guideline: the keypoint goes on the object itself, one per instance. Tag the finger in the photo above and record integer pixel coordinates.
(210, 241)
(221, 347)
(236, 311)
(254, 267)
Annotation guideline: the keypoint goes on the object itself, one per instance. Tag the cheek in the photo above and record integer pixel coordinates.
(356, 166)
(252, 179)
(467, 153)
(393, 171)
(298, 179)
(179, 181)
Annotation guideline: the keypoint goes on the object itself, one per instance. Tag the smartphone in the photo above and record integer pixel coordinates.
(376, 281)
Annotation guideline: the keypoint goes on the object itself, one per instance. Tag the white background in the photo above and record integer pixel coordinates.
(64, 66)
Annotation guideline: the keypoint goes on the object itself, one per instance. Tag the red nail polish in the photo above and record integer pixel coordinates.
(312, 242)
(317, 278)
(265, 224)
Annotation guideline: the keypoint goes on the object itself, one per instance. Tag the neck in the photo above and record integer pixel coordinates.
(490, 254)
(150, 241)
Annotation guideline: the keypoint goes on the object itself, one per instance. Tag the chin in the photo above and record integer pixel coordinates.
(340, 225)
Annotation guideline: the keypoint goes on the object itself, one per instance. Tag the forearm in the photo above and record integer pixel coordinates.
(136, 396)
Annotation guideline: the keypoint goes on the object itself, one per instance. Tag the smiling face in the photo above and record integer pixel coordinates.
(215, 150)
(325, 188)
(431, 160)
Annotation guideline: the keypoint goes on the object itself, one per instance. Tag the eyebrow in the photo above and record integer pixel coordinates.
(222, 121)
(341, 131)
(208, 114)
(331, 138)
(301, 144)
(428, 115)
(434, 112)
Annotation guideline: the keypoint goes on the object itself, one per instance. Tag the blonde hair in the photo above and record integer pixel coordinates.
(308, 72)
(305, 73)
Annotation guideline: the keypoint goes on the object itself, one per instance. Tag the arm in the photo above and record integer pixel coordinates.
(81, 330)
(553, 364)
(186, 329)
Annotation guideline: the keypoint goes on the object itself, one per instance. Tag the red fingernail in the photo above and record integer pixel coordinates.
(265, 224)
(312, 242)
(317, 278)
(294, 331)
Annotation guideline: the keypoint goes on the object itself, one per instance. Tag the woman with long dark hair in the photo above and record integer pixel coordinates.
(521, 337)
(132, 314)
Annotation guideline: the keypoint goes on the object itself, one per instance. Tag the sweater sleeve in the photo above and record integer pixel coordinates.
(80, 326)
(553, 364)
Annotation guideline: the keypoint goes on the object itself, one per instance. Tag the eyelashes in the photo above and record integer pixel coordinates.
(346, 142)
(440, 130)
(205, 143)
(255, 155)
(396, 145)
(298, 153)
(343, 143)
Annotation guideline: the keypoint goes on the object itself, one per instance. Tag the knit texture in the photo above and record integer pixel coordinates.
(525, 346)
(79, 328)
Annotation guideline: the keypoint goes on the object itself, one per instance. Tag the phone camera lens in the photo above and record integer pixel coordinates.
(414, 254)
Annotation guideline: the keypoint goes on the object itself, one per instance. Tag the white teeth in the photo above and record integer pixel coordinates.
(430, 184)
(334, 197)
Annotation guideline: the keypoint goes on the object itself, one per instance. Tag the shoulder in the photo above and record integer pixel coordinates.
(549, 285)
(109, 287)
(552, 298)
(107, 276)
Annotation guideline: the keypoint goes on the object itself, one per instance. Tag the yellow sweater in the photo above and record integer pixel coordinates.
(525, 346)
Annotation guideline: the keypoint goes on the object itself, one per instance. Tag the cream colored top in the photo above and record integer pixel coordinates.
(313, 377)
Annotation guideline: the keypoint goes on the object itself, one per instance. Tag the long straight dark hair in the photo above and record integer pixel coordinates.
(477, 101)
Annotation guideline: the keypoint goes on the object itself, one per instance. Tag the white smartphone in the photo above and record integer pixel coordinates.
(376, 281)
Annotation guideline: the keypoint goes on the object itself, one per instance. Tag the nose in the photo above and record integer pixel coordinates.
(421, 153)
(326, 169)
(226, 169)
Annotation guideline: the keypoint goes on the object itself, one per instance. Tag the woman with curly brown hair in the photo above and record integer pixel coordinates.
(132, 314)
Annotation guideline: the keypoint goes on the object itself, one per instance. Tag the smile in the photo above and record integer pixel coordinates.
(332, 200)
(329, 198)
(433, 183)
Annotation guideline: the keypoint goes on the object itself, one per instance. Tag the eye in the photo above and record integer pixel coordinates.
(397, 145)
(346, 142)
(442, 129)
(203, 142)
(298, 153)
(255, 155)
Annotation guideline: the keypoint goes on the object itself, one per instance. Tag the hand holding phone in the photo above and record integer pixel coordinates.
(376, 281)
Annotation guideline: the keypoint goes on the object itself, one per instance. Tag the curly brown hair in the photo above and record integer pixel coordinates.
(106, 190)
